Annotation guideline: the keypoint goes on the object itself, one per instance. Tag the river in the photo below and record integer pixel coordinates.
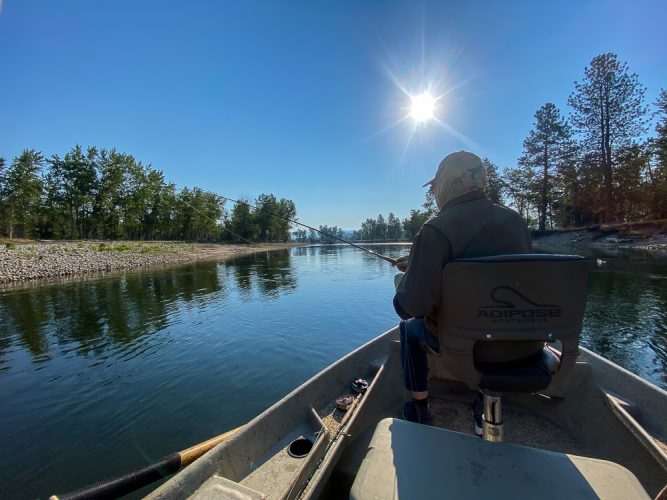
(104, 375)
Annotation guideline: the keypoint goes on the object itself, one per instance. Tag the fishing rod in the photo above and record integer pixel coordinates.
(214, 221)
(368, 250)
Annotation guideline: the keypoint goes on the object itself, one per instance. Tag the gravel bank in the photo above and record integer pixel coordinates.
(33, 261)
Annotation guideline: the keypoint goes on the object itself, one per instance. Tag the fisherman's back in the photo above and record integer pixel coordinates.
(476, 227)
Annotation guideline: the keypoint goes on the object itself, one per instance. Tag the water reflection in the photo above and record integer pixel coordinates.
(270, 273)
(90, 317)
(626, 314)
(626, 319)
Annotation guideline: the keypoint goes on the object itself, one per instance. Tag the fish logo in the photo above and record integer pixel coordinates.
(511, 306)
(475, 171)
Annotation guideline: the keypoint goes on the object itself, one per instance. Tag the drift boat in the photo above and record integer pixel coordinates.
(609, 415)
(584, 429)
(558, 420)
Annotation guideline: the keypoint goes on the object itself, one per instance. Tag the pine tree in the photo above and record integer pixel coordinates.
(658, 172)
(609, 113)
(494, 186)
(630, 182)
(414, 223)
(546, 147)
(380, 229)
(660, 142)
(430, 206)
(522, 187)
(393, 227)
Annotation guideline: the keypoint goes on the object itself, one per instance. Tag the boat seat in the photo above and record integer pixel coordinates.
(511, 323)
(408, 460)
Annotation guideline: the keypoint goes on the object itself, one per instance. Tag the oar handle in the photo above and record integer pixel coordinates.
(127, 483)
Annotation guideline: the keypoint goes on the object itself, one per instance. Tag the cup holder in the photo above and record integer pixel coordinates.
(299, 448)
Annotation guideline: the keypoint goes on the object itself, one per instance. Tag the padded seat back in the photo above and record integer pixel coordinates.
(501, 310)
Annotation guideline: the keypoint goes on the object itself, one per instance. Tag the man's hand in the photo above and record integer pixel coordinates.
(402, 263)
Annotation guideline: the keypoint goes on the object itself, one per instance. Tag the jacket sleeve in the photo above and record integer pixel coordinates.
(418, 293)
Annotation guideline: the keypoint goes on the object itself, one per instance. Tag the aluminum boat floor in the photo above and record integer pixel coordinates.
(520, 427)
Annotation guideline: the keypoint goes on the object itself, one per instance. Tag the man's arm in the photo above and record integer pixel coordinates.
(402, 263)
(418, 293)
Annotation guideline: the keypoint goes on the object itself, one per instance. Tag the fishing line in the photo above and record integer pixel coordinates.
(368, 250)
(216, 222)
(383, 257)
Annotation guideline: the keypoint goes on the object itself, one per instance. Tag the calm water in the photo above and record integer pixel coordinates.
(101, 376)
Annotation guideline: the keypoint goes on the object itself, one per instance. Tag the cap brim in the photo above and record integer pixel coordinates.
(428, 183)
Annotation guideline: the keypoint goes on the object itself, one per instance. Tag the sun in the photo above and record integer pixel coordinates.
(422, 108)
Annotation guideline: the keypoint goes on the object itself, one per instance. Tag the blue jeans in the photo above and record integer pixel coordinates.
(414, 339)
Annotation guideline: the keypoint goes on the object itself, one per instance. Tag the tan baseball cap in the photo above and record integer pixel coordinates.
(457, 164)
(457, 174)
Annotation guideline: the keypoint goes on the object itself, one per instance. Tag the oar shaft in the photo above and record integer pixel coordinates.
(132, 481)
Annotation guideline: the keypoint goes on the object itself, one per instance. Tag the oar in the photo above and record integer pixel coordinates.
(132, 481)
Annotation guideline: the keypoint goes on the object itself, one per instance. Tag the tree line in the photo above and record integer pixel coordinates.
(96, 193)
(326, 234)
(595, 166)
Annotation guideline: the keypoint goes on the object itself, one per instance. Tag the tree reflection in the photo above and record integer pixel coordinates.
(92, 316)
(269, 273)
(625, 318)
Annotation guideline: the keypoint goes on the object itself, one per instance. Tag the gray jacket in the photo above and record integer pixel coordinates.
(468, 226)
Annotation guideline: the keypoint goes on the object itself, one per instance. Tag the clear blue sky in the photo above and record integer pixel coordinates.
(293, 98)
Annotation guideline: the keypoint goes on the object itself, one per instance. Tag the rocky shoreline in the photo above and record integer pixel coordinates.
(637, 235)
(47, 260)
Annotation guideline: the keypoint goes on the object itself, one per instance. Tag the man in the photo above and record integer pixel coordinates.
(467, 225)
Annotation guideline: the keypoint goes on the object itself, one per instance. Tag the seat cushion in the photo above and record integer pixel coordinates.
(407, 460)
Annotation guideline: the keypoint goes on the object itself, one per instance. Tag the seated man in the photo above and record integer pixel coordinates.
(468, 225)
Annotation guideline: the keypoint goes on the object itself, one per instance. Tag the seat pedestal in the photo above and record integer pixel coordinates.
(492, 418)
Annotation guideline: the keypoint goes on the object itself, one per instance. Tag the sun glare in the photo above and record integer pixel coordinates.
(423, 107)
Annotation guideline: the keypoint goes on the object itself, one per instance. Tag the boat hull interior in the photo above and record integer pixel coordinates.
(600, 412)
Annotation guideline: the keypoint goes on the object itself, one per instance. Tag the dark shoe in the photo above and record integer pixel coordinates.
(428, 349)
(477, 410)
(417, 414)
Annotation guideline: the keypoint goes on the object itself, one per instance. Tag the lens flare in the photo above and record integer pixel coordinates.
(423, 107)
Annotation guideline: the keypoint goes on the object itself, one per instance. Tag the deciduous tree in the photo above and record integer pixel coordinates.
(22, 188)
